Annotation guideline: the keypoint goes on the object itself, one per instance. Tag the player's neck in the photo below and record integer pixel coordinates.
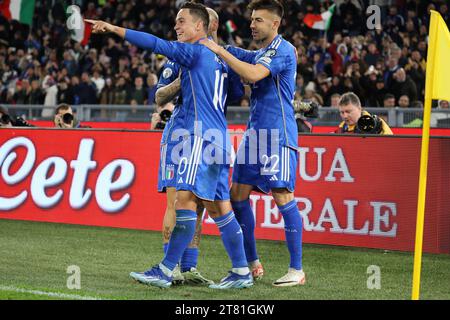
(198, 37)
(268, 40)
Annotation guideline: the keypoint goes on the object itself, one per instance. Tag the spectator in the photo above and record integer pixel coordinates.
(75, 86)
(415, 68)
(107, 94)
(245, 102)
(120, 92)
(403, 85)
(65, 93)
(389, 101)
(69, 63)
(394, 21)
(393, 66)
(373, 86)
(36, 94)
(51, 91)
(300, 84)
(22, 94)
(437, 117)
(324, 91)
(87, 90)
(99, 82)
(335, 100)
(372, 55)
(138, 93)
(403, 101)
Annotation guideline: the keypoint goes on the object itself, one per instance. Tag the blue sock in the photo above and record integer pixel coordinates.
(293, 226)
(165, 246)
(244, 215)
(181, 237)
(232, 239)
(189, 259)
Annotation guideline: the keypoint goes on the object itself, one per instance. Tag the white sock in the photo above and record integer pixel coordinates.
(241, 271)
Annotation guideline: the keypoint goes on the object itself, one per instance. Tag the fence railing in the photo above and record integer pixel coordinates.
(395, 117)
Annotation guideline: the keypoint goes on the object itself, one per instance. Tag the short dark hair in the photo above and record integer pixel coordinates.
(273, 6)
(349, 98)
(62, 107)
(388, 96)
(198, 10)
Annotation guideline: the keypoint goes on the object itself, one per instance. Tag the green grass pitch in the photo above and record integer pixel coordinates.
(34, 258)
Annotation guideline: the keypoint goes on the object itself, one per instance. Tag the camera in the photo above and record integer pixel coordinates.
(306, 108)
(5, 119)
(17, 122)
(67, 118)
(165, 117)
(369, 124)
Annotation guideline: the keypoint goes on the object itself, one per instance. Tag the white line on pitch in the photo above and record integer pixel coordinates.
(49, 294)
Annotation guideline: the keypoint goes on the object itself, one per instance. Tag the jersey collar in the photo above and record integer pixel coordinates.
(274, 42)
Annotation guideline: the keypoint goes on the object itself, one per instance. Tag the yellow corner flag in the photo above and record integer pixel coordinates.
(437, 86)
(438, 56)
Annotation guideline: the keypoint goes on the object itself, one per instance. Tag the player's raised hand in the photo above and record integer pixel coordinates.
(99, 26)
(211, 45)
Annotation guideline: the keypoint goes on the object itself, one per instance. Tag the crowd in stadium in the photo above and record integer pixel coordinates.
(385, 66)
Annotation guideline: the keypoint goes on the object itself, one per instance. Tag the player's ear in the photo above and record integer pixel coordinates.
(276, 24)
(199, 25)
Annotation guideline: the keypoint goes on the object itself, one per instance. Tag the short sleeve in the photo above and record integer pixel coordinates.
(170, 72)
(274, 60)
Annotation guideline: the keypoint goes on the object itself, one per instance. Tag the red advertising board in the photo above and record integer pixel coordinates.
(351, 191)
(146, 126)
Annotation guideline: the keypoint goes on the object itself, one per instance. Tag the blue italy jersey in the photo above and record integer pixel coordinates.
(204, 84)
(272, 98)
(170, 72)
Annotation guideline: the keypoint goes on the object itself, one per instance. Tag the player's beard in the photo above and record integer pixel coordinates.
(260, 40)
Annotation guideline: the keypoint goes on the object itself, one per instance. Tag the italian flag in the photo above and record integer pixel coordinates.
(82, 32)
(21, 10)
(320, 21)
(231, 27)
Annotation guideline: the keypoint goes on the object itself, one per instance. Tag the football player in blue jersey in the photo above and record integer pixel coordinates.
(204, 164)
(271, 134)
(168, 89)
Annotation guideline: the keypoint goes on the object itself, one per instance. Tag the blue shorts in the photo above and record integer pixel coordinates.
(168, 168)
(265, 169)
(204, 170)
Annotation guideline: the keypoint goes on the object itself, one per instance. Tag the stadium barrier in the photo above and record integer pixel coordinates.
(351, 190)
(395, 117)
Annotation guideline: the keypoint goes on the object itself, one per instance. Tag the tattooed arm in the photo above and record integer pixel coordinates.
(167, 93)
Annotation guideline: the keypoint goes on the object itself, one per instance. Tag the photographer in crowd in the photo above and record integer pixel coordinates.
(65, 119)
(7, 121)
(161, 116)
(357, 120)
(305, 109)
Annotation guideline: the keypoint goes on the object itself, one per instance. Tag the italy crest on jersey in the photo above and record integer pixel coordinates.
(170, 171)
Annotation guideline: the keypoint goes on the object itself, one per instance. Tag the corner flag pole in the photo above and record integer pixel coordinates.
(424, 158)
